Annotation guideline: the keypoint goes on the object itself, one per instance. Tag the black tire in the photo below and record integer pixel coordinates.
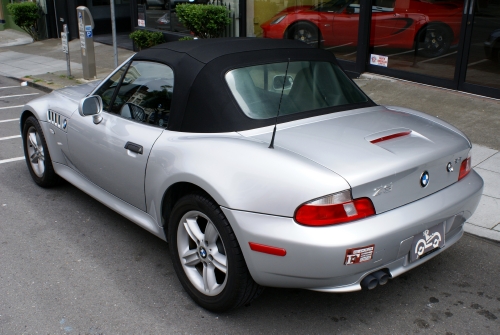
(236, 287)
(47, 177)
(305, 32)
(434, 40)
(495, 54)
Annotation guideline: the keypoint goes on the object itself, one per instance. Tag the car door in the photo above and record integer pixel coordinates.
(113, 154)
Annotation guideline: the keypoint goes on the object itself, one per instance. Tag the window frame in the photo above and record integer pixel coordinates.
(126, 66)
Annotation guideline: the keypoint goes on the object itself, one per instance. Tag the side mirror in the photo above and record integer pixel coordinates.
(350, 10)
(91, 106)
(278, 82)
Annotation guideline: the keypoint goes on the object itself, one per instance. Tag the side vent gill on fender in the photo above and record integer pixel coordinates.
(57, 120)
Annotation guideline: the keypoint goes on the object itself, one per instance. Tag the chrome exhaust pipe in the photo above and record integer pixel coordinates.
(369, 282)
(381, 276)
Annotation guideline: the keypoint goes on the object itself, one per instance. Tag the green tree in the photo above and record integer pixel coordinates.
(25, 15)
(205, 21)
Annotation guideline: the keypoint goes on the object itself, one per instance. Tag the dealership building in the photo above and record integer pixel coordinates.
(453, 44)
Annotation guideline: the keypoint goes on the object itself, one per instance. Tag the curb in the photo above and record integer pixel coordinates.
(32, 84)
(482, 238)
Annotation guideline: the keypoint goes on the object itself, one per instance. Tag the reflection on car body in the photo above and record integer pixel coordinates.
(261, 163)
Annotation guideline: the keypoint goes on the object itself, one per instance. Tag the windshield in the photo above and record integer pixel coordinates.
(334, 5)
(308, 85)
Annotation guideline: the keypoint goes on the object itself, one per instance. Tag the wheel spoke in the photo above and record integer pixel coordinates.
(41, 166)
(191, 257)
(209, 280)
(220, 261)
(34, 158)
(211, 233)
(38, 140)
(32, 138)
(193, 230)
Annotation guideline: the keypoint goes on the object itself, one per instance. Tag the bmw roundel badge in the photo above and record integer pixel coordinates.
(424, 179)
(65, 124)
(203, 253)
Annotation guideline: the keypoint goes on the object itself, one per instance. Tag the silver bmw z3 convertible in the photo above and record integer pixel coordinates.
(261, 163)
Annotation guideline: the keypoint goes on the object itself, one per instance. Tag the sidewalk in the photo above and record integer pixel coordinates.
(11, 37)
(44, 64)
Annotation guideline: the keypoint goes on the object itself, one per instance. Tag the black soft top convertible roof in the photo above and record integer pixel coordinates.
(202, 101)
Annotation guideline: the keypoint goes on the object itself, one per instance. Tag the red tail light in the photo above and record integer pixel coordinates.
(390, 137)
(334, 209)
(464, 168)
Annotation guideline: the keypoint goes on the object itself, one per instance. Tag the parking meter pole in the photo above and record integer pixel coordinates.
(113, 29)
(65, 47)
(85, 28)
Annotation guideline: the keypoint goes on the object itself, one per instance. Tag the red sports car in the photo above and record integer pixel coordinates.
(431, 26)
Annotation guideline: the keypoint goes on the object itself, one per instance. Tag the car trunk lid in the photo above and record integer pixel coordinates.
(361, 147)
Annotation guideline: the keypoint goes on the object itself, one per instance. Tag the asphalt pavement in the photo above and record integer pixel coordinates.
(68, 264)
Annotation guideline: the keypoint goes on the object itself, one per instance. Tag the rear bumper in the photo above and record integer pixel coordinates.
(315, 255)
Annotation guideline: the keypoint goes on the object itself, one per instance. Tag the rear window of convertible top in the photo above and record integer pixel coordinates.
(308, 85)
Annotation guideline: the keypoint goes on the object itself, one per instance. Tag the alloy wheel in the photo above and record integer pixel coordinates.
(202, 253)
(35, 152)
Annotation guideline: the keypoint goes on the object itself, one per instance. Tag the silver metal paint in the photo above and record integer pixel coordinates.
(259, 189)
(315, 255)
(238, 172)
(130, 212)
(97, 151)
(340, 144)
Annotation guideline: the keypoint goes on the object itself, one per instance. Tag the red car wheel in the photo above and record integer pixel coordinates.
(434, 40)
(305, 32)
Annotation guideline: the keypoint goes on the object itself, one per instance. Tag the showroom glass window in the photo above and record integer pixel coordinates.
(416, 35)
(161, 15)
(483, 66)
(332, 25)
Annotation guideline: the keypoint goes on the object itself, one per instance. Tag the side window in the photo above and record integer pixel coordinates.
(108, 88)
(145, 94)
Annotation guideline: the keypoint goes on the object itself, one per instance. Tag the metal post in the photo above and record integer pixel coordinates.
(65, 46)
(57, 21)
(85, 27)
(113, 29)
(363, 49)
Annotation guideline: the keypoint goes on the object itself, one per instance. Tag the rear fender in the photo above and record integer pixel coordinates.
(238, 173)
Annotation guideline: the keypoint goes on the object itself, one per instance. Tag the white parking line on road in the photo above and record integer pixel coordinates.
(338, 46)
(352, 53)
(9, 87)
(431, 59)
(405, 52)
(478, 62)
(9, 120)
(11, 160)
(377, 46)
(9, 137)
(11, 107)
(18, 95)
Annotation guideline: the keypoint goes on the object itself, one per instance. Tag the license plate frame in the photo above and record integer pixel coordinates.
(429, 240)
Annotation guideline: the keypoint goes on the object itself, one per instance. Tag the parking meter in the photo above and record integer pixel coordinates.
(85, 27)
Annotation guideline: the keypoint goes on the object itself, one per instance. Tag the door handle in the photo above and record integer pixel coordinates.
(134, 147)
